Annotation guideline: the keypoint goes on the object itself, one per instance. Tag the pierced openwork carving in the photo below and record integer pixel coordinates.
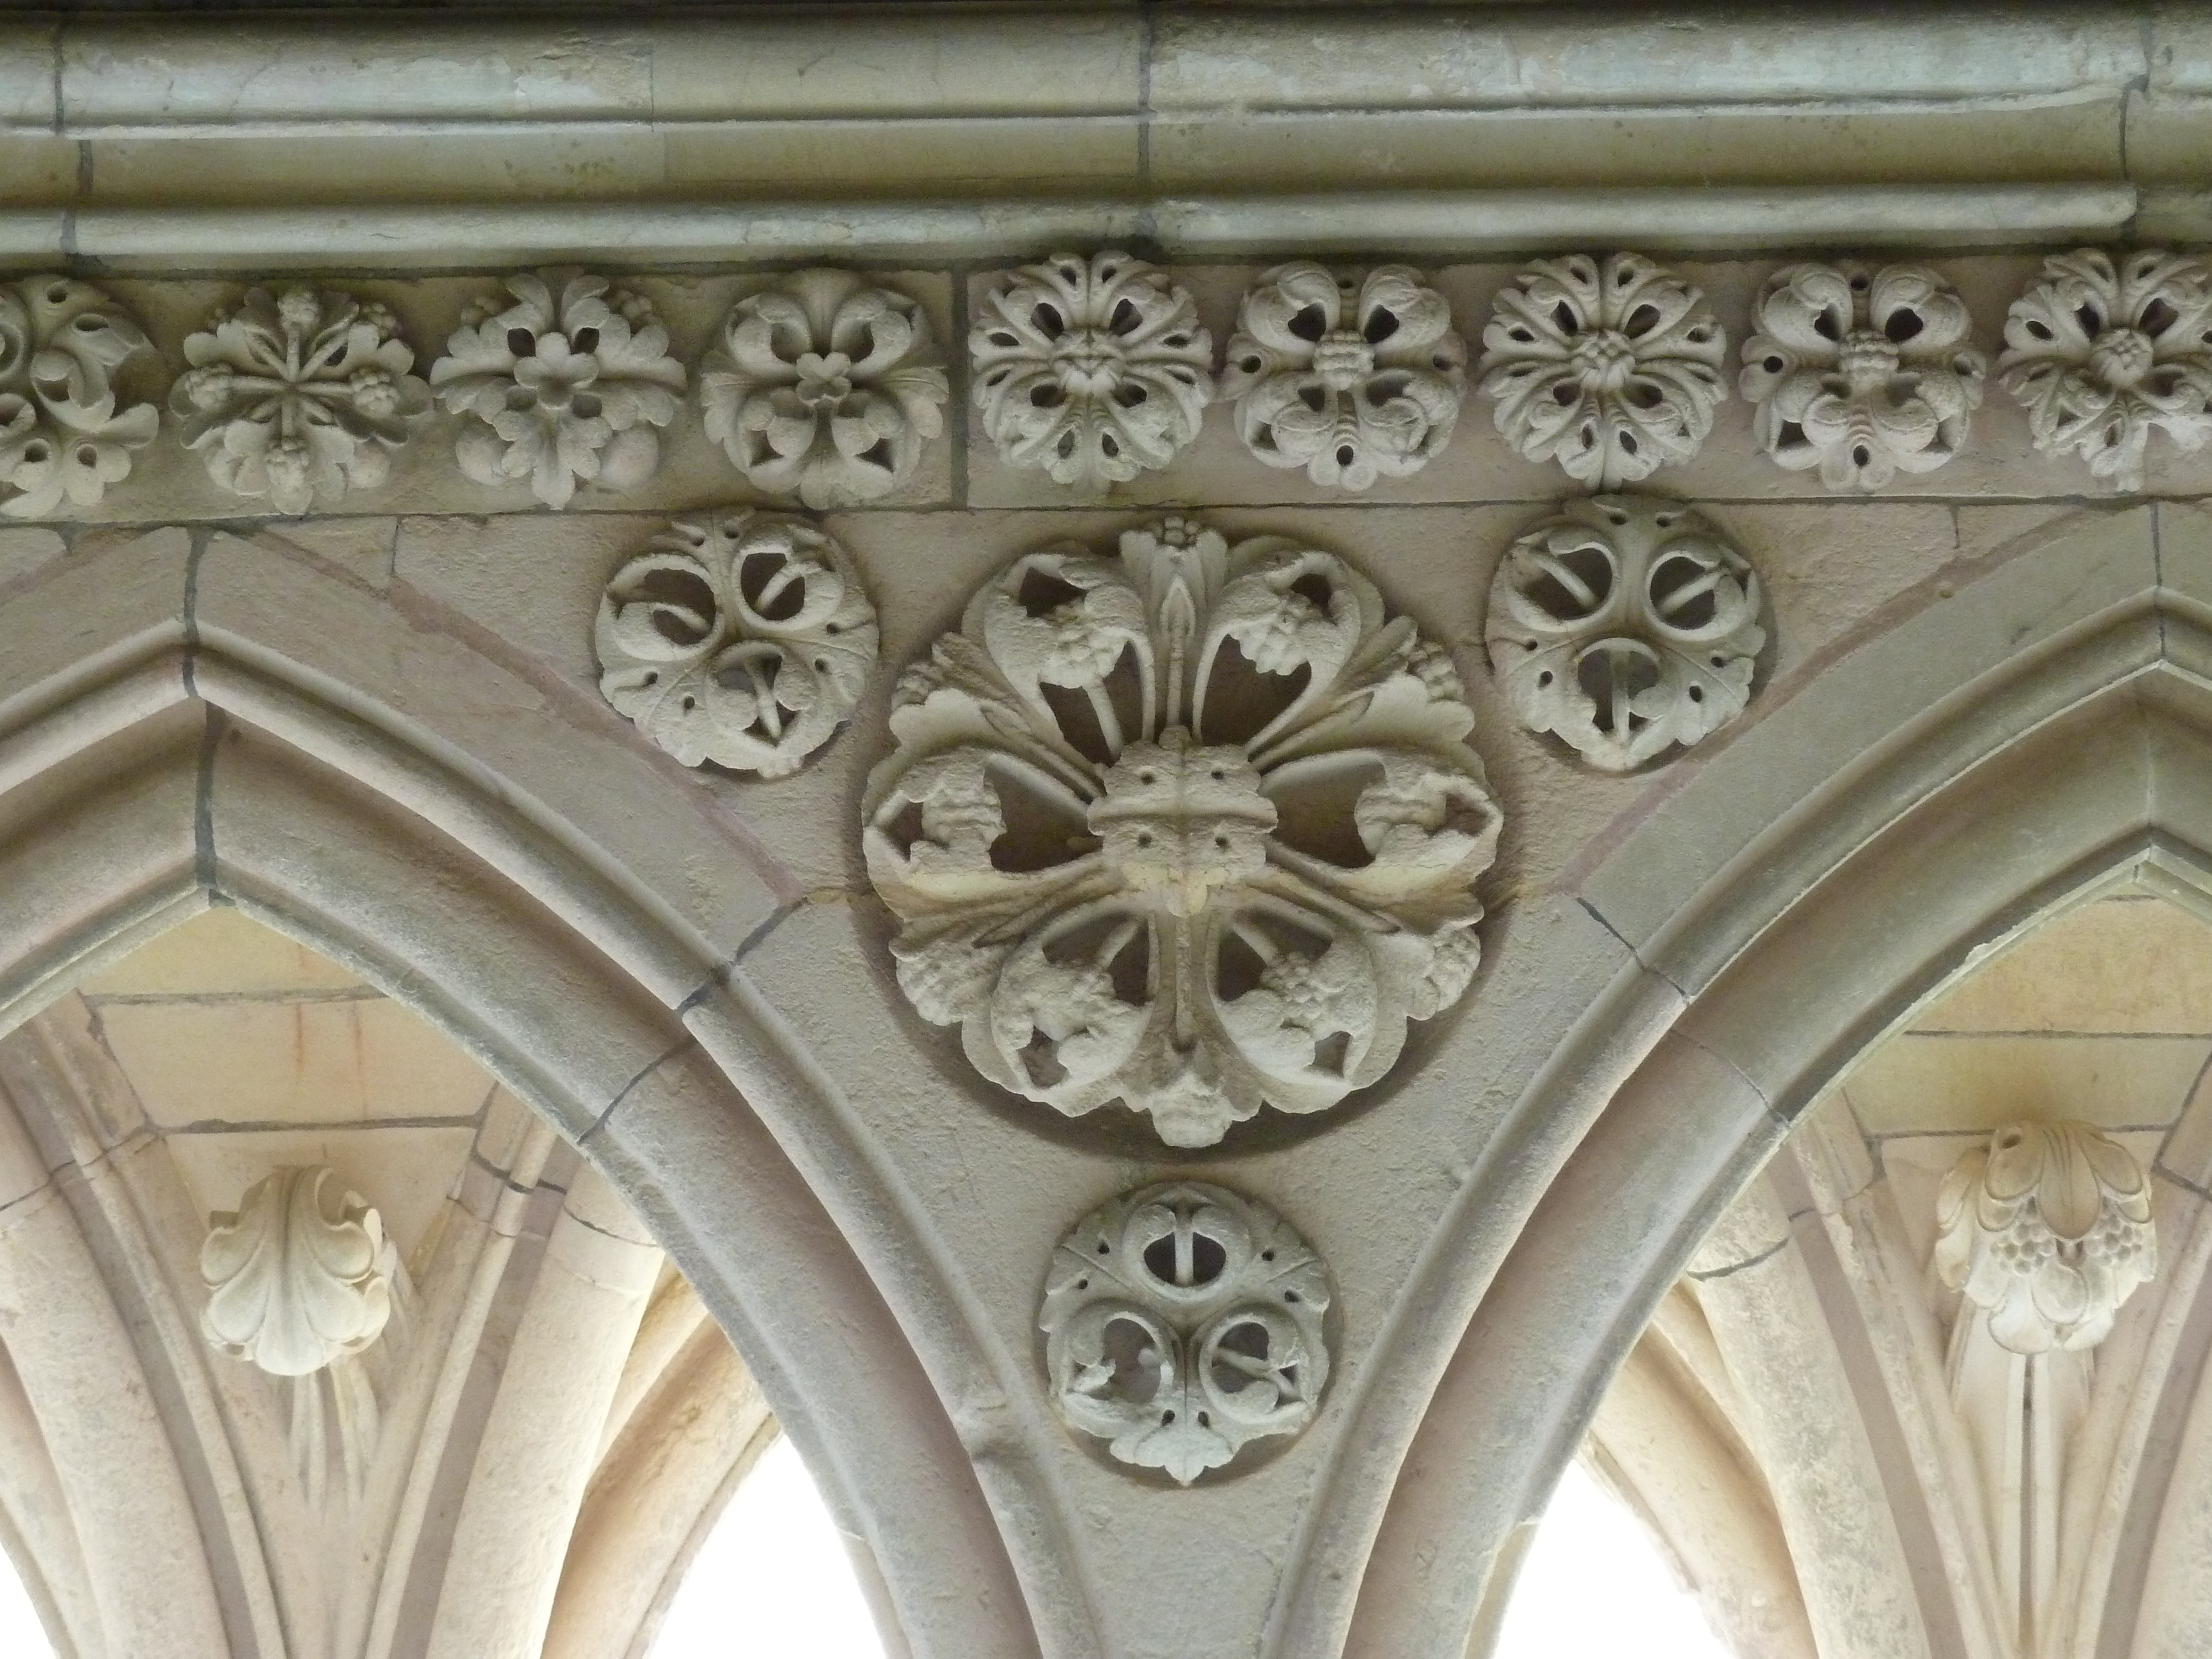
(62, 437)
(2046, 1229)
(743, 638)
(299, 397)
(1352, 384)
(1095, 370)
(2101, 354)
(1191, 828)
(825, 388)
(1611, 368)
(1625, 625)
(1862, 375)
(560, 389)
(1182, 1323)
(299, 1276)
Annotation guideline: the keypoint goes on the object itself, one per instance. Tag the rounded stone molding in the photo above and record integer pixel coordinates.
(1190, 827)
(560, 389)
(743, 639)
(1611, 368)
(825, 388)
(1353, 383)
(299, 1276)
(1182, 1323)
(2101, 354)
(298, 396)
(1626, 626)
(1094, 370)
(1860, 375)
(63, 439)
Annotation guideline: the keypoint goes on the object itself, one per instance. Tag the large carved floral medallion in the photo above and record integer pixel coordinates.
(1190, 827)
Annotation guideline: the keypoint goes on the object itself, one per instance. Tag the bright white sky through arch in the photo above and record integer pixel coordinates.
(21, 1635)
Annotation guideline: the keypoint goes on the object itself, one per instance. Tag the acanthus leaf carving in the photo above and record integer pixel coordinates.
(299, 1276)
(743, 639)
(1093, 369)
(560, 388)
(1860, 375)
(1353, 384)
(298, 396)
(1625, 625)
(62, 436)
(1611, 368)
(1183, 1322)
(825, 388)
(1191, 828)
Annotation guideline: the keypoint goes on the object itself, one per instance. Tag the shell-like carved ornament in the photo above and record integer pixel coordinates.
(825, 388)
(62, 436)
(2046, 1228)
(2100, 354)
(1093, 369)
(299, 1276)
(1860, 375)
(743, 638)
(1625, 625)
(1352, 384)
(1191, 828)
(1611, 368)
(560, 389)
(1183, 1322)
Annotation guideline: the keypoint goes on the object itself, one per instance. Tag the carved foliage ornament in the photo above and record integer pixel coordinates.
(561, 388)
(1095, 370)
(2047, 1229)
(1860, 375)
(1611, 368)
(2100, 354)
(1625, 625)
(299, 397)
(1181, 1324)
(1191, 828)
(1352, 384)
(300, 1276)
(62, 437)
(743, 638)
(825, 388)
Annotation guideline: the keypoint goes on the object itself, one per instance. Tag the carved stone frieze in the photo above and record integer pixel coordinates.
(560, 388)
(1352, 383)
(300, 1276)
(1093, 369)
(1626, 626)
(1183, 1322)
(63, 438)
(1190, 828)
(742, 638)
(2101, 354)
(1611, 368)
(825, 388)
(298, 396)
(1861, 373)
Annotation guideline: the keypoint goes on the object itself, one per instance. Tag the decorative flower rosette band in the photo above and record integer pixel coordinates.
(1191, 828)
(1182, 1323)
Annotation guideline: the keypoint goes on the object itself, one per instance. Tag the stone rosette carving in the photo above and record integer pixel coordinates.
(1182, 1323)
(1093, 369)
(300, 1276)
(825, 388)
(2101, 354)
(1611, 367)
(740, 638)
(1860, 375)
(1352, 383)
(2046, 1229)
(1626, 626)
(1190, 827)
(63, 437)
(560, 388)
(298, 396)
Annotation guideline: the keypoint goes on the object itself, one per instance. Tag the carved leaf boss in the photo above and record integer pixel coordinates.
(299, 1276)
(1182, 1323)
(1190, 827)
(62, 436)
